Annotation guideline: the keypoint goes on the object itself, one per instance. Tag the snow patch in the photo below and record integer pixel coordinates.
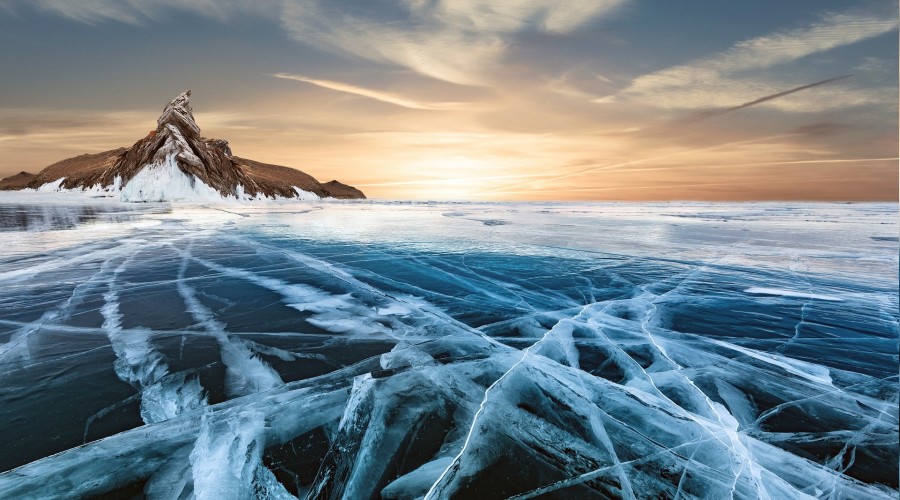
(94, 191)
(166, 182)
(305, 195)
(52, 187)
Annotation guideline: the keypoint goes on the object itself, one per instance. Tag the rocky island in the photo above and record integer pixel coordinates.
(173, 162)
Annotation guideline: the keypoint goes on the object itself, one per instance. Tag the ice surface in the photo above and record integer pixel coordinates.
(425, 350)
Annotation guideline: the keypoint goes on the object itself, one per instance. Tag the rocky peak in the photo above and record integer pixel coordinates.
(176, 126)
(177, 141)
(179, 114)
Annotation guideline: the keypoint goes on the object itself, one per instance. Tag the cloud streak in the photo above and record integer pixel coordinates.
(377, 95)
(141, 11)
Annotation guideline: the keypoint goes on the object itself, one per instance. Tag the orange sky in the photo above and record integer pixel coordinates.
(517, 100)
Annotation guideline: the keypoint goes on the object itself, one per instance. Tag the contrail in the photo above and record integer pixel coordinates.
(696, 117)
(786, 92)
(703, 115)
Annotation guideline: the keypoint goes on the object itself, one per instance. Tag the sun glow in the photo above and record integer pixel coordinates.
(453, 177)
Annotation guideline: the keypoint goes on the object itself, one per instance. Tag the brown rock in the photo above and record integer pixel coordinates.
(80, 171)
(279, 180)
(343, 191)
(17, 181)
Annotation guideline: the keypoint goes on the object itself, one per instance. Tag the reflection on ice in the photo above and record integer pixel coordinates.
(337, 350)
(792, 293)
(48, 216)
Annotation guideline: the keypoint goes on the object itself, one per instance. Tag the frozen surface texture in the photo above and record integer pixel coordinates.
(360, 350)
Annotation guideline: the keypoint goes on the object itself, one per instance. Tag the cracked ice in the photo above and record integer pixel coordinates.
(376, 349)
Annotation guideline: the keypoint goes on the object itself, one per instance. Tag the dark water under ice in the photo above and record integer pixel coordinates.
(356, 350)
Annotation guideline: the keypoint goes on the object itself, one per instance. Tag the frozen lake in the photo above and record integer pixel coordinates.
(408, 350)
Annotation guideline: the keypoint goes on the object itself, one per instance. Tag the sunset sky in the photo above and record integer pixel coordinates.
(477, 99)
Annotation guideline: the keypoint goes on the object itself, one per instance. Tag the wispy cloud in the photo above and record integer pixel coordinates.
(141, 11)
(833, 30)
(722, 80)
(509, 16)
(377, 95)
(452, 40)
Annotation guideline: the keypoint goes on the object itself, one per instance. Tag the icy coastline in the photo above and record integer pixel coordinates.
(159, 183)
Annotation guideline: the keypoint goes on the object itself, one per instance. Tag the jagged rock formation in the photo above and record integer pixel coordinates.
(17, 181)
(174, 160)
